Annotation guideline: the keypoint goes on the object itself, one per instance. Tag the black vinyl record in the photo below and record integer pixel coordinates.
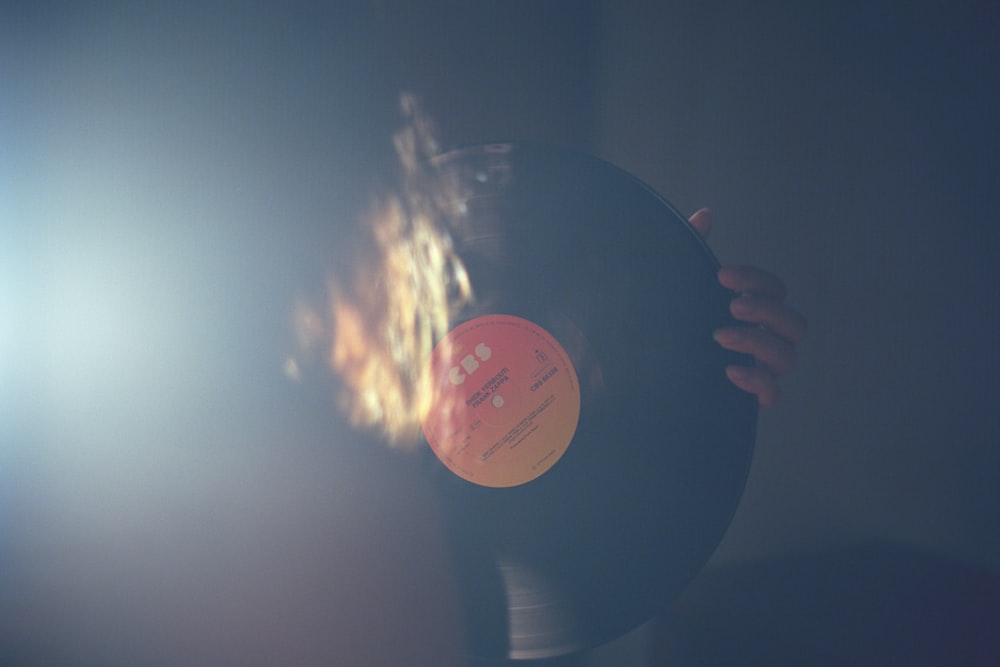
(605, 273)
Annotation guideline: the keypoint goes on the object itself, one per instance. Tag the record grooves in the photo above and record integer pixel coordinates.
(660, 448)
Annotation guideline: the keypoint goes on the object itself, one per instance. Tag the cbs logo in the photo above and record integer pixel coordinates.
(469, 364)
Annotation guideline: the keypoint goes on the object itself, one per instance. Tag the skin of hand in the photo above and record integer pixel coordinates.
(774, 328)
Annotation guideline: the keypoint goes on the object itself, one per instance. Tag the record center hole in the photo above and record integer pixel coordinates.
(497, 401)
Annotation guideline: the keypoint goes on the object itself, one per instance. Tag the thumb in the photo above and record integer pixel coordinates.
(701, 220)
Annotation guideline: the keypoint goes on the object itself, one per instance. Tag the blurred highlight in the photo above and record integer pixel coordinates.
(407, 284)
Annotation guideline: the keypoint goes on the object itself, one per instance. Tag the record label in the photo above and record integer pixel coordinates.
(506, 401)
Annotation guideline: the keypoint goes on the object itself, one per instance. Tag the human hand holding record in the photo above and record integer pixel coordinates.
(761, 302)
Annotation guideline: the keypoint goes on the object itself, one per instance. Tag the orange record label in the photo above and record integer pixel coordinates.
(506, 401)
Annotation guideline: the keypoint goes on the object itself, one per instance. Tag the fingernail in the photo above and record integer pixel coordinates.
(738, 373)
(727, 336)
(741, 307)
(728, 275)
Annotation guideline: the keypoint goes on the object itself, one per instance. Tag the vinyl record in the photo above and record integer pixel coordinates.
(590, 451)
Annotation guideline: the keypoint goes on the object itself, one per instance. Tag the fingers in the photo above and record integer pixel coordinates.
(702, 222)
(772, 314)
(757, 381)
(751, 280)
(774, 353)
(772, 328)
(775, 329)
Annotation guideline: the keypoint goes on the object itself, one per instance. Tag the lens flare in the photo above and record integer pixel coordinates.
(407, 284)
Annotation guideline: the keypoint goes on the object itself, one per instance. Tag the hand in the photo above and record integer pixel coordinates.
(776, 327)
